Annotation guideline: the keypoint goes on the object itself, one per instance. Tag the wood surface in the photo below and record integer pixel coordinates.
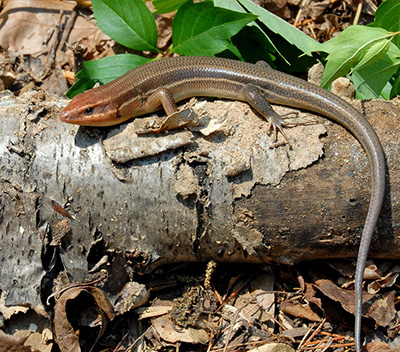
(225, 196)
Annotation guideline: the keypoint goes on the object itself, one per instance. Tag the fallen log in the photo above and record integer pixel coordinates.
(222, 191)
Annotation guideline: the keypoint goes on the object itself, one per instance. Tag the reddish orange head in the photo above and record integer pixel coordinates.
(91, 109)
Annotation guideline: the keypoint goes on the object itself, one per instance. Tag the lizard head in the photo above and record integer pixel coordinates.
(91, 108)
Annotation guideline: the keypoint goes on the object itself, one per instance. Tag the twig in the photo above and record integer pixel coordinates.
(297, 19)
(358, 12)
(317, 330)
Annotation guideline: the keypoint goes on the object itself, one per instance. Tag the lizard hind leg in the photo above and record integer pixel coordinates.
(276, 123)
(253, 95)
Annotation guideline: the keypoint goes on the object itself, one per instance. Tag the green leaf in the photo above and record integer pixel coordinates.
(232, 5)
(104, 70)
(202, 29)
(395, 91)
(354, 43)
(128, 22)
(277, 25)
(370, 80)
(235, 51)
(253, 45)
(387, 16)
(385, 92)
(372, 54)
(262, 40)
(165, 6)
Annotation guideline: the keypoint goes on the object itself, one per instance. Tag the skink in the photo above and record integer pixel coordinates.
(160, 84)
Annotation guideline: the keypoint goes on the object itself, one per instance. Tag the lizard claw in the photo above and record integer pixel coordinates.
(275, 129)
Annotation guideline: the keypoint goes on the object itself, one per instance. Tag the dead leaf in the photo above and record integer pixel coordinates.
(27, 26)
(37, 341)
(36, 31)
(164, 29)
(10, 343)
(258, 306)
(66, 335)
(60, 229)
(299, 310)
(273, 347)
(181, 118)
(344, 297)
(379, 347)
(296, 332)
(131, 296)
(387, 281)
(236, 321)
(151, 312)
(345, 268)
(266, 300)
(371, 271)
(8, 312)
(309, 295)
(171, 333)
(383, 310)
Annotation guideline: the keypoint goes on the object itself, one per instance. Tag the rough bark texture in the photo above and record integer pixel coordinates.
(182, 196)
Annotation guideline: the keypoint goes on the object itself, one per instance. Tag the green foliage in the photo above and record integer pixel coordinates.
(369, 55)
(203, 29)
(277, 25)
(165, 6)
(104, 70)
(128, 22)
(387, 16)
(395, 87)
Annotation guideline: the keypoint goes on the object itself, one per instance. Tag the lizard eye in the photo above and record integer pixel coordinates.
(89, 111)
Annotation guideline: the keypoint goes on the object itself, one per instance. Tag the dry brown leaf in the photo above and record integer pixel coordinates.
(383, 310)
(257, 305)
(379, 347)
(183, 117)
(36, 341)
(170, 333)
(344, 297)
(164, 29)
(266, 300)
(131, 296)
(273, 347)
(27, 23)
(36, 31)
(65, 336)
(344, 268)
(103, 302)
(371, 271)
(233, 321)
(10, 343)
(60, 229)
(386, 281)
(316, 9)
(299, 310)
(278, 7)
(309, 295)
(151, 312)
